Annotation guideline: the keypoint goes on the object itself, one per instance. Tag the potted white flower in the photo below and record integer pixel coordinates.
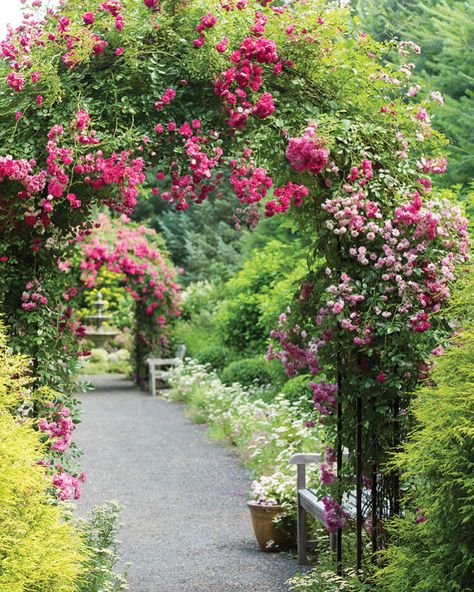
(272, 508)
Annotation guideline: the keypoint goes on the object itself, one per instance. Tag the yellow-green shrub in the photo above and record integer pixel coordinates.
(40, 551)
(432, 545)
(438, 554)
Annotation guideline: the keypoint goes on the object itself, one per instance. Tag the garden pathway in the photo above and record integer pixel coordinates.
(186, 525)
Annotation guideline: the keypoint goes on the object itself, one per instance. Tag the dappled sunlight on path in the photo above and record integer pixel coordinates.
(186, 525)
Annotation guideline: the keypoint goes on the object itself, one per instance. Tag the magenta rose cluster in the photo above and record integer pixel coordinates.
(334, 515)
(43, 191)
(59, 426)
(67, 486)
(244, 77)
(307, 153)
(202, 159)
(33, 297)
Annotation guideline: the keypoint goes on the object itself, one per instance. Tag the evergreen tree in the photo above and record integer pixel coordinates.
(445, 31)
(202, 240)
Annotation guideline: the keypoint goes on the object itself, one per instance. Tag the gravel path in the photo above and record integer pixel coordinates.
(186, 525)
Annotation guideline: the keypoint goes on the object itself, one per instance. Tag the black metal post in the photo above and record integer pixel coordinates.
(374, 501)
(339, 470)
(359, 516)
(396, 444)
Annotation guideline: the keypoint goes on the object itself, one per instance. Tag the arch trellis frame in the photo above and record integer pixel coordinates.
(318, 123)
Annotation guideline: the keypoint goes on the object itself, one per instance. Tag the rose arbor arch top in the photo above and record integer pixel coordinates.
(295, 108)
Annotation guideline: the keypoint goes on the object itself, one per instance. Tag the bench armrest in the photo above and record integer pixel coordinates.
(308, 459)
(305, 459)
(163, 362)
(301, 460)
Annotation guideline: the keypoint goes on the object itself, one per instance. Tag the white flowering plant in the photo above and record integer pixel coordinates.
(266, 434)
(321, 580)
(274, 490)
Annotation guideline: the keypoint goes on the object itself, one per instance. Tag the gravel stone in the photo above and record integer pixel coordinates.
(186, 524)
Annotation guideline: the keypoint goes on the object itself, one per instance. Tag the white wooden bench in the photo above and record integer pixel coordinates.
(158, 368)
(310, 503)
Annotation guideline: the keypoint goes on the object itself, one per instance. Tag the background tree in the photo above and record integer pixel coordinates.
(444, 29)
(202, 241)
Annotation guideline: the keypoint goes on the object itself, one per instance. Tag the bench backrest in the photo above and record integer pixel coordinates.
(180, 353)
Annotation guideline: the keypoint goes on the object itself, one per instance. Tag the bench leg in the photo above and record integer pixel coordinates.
(152, 383)
(302, 535)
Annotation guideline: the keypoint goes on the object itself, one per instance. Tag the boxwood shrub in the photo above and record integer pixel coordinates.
(256, 370)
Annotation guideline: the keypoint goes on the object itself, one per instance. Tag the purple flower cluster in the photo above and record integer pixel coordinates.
(334, 515)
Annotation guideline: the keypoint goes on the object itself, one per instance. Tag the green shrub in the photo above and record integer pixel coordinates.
(277, 373)
(100, 536)
(217, 356)
(196, 327)
(121, 355)
(238, 316)
(38, 550)
(198, 297)
(255, 297)
(98, 355)
(296, 390)
(193, 334)
(238, 323)
(251, 371)
(119, 367)
(101, 362)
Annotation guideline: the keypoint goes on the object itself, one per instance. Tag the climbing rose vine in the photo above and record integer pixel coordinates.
(288, 109)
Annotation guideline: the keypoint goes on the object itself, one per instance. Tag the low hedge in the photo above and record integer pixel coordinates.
(215, 355)
(251, 371)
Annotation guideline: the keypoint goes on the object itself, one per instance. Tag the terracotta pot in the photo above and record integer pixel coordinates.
(265, 529)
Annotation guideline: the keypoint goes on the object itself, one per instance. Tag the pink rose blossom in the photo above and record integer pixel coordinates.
(88, 18)
(15, 81)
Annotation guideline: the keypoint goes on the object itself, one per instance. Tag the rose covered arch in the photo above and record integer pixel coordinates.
(298, 113)
(135, 253)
